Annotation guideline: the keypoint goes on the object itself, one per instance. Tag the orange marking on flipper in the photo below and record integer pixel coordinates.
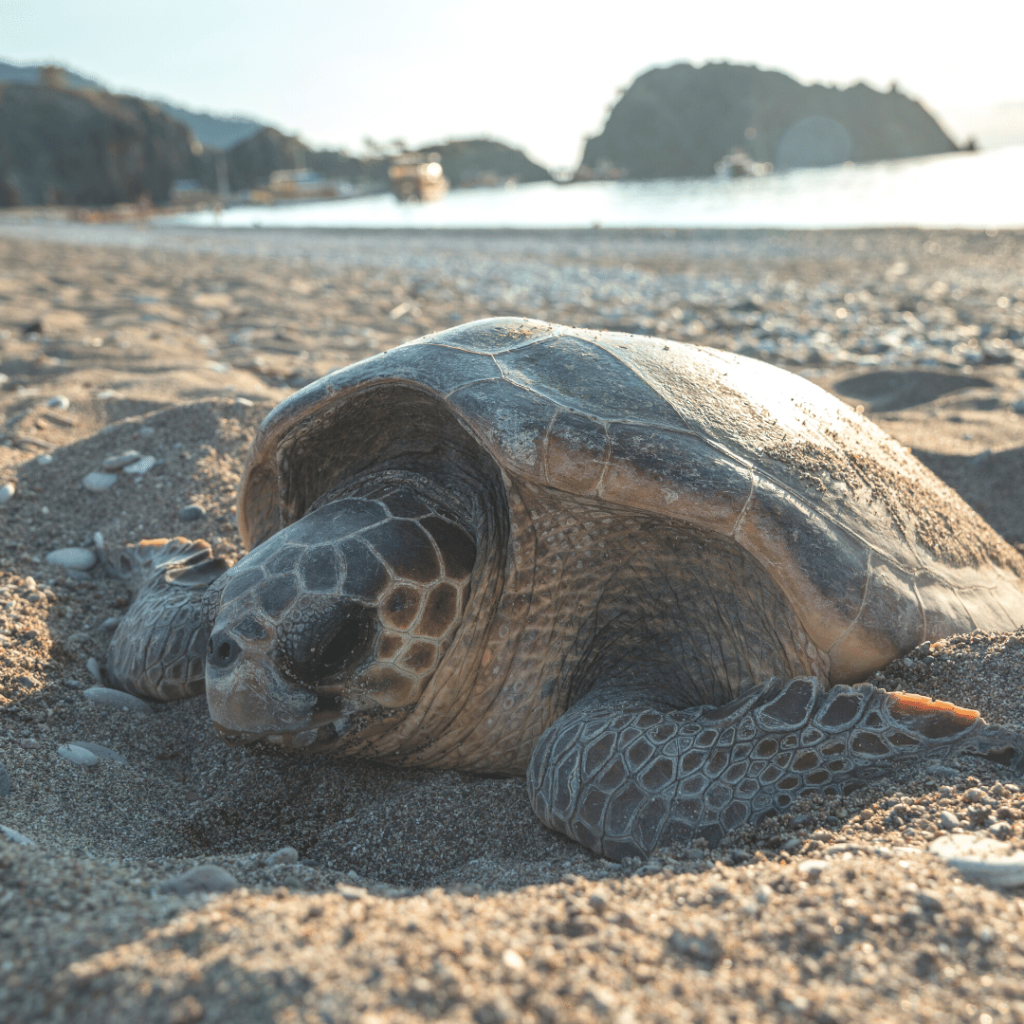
(933, 719)
(916, 704)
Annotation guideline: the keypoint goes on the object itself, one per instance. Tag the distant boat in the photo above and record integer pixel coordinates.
(417, 176)
(738, 164)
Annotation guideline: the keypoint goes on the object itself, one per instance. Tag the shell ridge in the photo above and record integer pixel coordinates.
(599, 486)
(746, 505)
(860, 611)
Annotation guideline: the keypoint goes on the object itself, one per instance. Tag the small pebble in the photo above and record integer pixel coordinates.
(114, 462)
(27, 743)
(246, 402)
(102, 752)
(112, 622)
(190, 513)
(949, 821)
(99, 481)
(73, 684)
(44, 460)
(812, 868)
(77, 755)
(981, 858)
(5, 782)
(59, 402)
(72, 558)
(6, 493)
(205, 878)
(143, 465)
(92, 666)
(286, 855)
(117, 699)
(16, 837)
(1001, 830)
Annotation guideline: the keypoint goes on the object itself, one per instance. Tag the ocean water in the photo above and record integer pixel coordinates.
(955, 190)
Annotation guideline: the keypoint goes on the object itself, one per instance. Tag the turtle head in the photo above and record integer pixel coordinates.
(338, 619)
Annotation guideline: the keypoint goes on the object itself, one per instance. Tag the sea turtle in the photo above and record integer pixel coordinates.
(650, 576)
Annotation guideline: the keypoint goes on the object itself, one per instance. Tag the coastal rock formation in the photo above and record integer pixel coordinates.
(251, 162)
(469, 163)
(59, 146)
(680, 121)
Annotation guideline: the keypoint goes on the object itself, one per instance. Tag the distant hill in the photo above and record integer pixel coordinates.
(211, 130)
(29, 74)
(469, 163)
(680, 121)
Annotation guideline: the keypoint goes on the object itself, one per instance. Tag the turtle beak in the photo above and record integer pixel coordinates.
(250, 701)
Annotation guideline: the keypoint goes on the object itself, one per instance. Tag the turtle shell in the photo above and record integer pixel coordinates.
(874, 552)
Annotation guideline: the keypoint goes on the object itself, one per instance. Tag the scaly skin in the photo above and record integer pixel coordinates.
(622, 780)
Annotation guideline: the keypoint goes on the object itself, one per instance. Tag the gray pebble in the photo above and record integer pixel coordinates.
(59, 402)
(930, 903)
(949, 821)
(5, 782)
(117, 699)
(286, 855)
(81, 559)
(205, 878)
(102, 752)
(73, 684)
(112, 622)
(1019, 406)
(16, 837)
(981, 858)
(77, 755)
(7, 492)
(190, 513)
(812, 868)
(114, 462)
(99, 481)
(1001, 830)
(144, 465)
(92, 666)
(44, 460)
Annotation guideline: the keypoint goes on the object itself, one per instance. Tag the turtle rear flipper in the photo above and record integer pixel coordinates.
(624, 780)
(159, 648)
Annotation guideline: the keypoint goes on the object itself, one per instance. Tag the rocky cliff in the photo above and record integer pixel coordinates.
(89, 148)
(251, 162)
(679, 121)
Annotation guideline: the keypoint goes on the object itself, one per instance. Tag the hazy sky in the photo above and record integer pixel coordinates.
(537, 73)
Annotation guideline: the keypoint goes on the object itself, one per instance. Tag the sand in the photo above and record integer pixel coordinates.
(371, 894)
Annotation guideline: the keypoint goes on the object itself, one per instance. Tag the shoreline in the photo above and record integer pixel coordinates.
(412, 896)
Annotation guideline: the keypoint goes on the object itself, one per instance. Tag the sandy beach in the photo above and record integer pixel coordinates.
(363, 893)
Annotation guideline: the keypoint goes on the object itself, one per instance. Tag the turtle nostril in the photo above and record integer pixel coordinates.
(222, 651)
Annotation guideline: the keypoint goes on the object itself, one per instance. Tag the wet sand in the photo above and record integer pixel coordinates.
(366, 893)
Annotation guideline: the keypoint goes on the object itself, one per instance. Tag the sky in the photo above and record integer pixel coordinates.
(539, 74)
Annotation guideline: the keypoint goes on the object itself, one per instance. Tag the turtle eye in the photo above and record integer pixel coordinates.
(348, 642)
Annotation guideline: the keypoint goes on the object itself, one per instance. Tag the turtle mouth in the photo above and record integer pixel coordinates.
(317, 738)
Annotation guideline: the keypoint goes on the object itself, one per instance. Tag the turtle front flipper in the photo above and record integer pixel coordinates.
(159, 648)
(623, 780)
